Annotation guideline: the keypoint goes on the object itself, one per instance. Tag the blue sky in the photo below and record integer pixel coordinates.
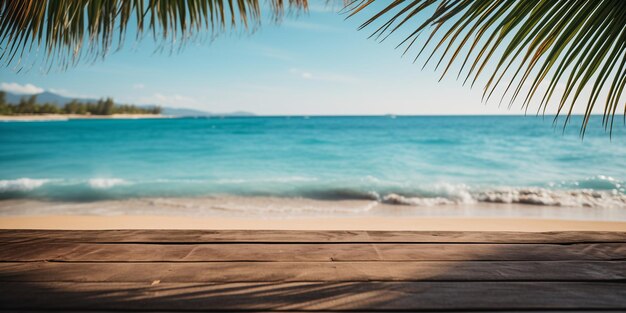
(314, 63)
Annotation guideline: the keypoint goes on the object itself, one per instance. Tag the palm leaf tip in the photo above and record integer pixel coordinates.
(65, 30)
(533, 52)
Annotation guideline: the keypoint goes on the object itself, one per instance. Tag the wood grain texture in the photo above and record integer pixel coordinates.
(81, 252)
(313, 271)
(265, 271)
(413, 296)
(234, 236)
(330, 311)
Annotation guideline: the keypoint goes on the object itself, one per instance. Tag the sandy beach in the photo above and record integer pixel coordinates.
(234, 212)
(63, 117)
(336, 223)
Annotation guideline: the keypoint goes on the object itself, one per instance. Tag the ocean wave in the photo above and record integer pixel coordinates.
(563, 198)
(584, 198)
(598, 182)
(607, 192)
(21, 184)
(417, 201)
(336, 194)
(285, 179)
(105, 183)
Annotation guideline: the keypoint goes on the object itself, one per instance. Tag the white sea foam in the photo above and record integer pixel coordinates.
(532, 196)
(563, 198)
(458, 193)
(417, 201)
(442, 194)
(21, 184)
(104, 183)
(609, 192)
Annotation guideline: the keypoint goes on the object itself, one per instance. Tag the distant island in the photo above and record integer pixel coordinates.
(30, 106)
(51, 102)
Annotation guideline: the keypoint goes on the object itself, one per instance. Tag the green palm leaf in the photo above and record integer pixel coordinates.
(65, 30)
(520, 47)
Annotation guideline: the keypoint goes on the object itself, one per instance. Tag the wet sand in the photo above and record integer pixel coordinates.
(229, 212)
(330, 223)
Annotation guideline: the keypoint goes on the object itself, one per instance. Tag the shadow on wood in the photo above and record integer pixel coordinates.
(397, 276)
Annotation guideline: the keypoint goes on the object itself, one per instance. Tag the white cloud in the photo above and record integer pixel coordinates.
(139, 86)
(26, 89)
(327, 77)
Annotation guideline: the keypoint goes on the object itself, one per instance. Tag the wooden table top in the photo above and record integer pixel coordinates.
(240, 270)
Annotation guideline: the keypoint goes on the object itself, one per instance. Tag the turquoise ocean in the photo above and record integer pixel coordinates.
(421, 161)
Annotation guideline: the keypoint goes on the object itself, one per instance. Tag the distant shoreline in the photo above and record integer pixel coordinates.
(64, 117)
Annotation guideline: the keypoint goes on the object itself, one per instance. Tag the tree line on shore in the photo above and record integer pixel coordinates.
(29, 105)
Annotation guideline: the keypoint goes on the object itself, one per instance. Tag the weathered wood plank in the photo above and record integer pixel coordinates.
(351, 311)
(416, 296)
(313, 271)
(209, 236)
(565, 237)
(511, 252)
(182, 236)
(71, 252)
(186, 252)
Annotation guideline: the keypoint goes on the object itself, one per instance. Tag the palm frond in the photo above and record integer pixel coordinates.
(526, 48)
(65, 30)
